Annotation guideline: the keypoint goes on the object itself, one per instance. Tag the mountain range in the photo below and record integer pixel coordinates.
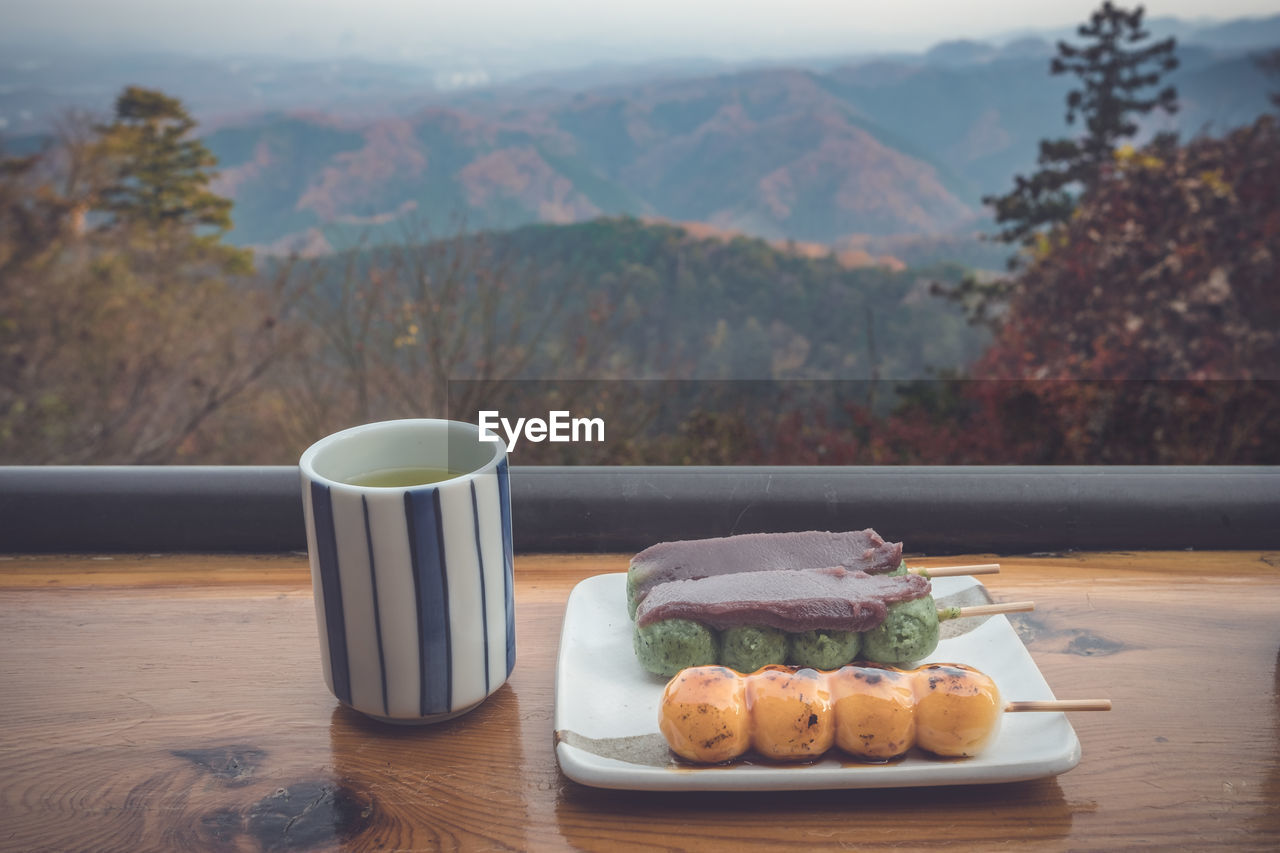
(879, 154)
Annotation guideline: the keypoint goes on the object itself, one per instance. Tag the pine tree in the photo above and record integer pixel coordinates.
(164, 175)
(1117, 72)
(159, 190)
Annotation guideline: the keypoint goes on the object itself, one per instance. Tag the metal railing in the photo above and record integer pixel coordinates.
(935, 510)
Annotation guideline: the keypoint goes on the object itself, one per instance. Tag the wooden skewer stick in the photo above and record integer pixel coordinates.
(945, 613)
(1060, 705)
(956, 571)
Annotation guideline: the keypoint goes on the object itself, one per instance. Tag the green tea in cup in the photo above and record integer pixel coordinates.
(399, 478)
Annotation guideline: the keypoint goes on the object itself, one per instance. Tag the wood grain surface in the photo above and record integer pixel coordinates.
(175, 703)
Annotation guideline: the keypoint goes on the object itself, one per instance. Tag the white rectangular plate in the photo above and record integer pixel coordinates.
(606, 715)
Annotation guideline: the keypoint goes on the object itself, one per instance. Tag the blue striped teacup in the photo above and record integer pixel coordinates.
(412, 584)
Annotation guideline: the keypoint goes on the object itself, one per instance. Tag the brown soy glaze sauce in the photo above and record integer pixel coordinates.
(948, 673)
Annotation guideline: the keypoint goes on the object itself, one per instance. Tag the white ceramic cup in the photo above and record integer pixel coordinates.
(413, 585)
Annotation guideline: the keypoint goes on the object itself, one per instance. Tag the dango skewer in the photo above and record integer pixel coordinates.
(712, 714)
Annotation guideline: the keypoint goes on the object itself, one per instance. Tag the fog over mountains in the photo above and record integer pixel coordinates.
(836, 150)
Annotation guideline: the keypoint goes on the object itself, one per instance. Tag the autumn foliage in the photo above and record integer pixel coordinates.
(1168, 271)
(1148, 326)
(1144, 330)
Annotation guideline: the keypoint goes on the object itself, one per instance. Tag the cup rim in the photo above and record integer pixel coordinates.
(306, 463)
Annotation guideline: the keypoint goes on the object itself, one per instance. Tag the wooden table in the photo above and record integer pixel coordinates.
(175, 703)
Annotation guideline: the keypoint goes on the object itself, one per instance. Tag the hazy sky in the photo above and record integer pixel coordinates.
(421, 28)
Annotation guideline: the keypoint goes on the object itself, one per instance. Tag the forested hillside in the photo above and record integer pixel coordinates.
(880, 150)
(711, 308)
(892, 153)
